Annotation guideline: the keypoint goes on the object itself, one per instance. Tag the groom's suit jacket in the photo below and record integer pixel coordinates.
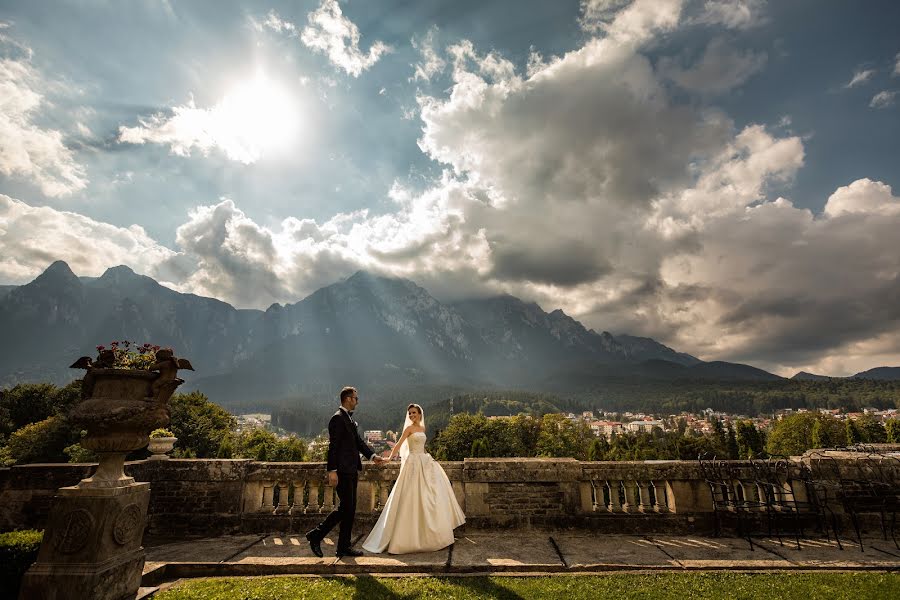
(345, 444)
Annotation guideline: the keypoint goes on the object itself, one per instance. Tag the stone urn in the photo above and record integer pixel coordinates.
(119, 409)
(161, 446)
(92, 540)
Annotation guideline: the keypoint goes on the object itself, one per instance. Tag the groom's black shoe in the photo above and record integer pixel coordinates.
(348, 552)
(315, 545)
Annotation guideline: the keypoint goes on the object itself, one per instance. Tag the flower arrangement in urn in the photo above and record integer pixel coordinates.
(125, 393)
(162, 441)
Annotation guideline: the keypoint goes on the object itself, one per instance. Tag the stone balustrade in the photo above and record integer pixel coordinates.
(212, 497)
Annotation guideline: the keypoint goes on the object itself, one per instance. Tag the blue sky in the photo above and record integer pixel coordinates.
(720, 175)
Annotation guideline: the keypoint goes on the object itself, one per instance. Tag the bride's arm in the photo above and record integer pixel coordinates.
(399, 443)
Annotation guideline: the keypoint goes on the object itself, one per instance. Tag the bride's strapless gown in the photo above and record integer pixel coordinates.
(421, 512)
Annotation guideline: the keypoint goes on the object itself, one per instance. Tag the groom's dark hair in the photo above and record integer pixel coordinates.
(347, 392)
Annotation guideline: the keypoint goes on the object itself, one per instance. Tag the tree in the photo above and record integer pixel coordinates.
(455, 440)
(289, 449)
(561, 437)
(892, 428)
(871, 430)
(749, 440)
(792, 435)
(598, 449)
(32, 402)
(43, 441)
(199, 424)
(479, 449)
(731, 444)
(853, 434)
(820, 436)
(257, 444)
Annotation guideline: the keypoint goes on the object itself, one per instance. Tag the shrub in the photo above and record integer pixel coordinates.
(161, 433)
(18, 549)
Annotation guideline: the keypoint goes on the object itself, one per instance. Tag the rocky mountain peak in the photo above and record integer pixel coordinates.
(58, 272)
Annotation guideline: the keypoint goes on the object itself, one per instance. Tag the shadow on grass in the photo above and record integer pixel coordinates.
(366, 587)
(483, 586)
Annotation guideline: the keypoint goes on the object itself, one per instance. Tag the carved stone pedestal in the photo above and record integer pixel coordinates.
(92, 545)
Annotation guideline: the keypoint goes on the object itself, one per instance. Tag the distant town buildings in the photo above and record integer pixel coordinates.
(253, 421)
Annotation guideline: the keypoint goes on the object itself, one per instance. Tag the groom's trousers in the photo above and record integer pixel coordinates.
(343, 514)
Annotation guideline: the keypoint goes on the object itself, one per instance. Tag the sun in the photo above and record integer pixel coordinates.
(260, 115)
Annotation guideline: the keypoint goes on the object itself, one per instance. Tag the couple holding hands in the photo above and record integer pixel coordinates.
(421, 512)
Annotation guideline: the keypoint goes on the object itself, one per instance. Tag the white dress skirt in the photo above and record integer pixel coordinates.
(421, 512)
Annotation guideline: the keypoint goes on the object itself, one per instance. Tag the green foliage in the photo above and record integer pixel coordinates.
(615, 394)
(598, 449)
(43, 441)
(749, 440)
(161, 433)
(793, 435)
(731, 445)
(456, 439)
(561, 437)
(318, 449)
(199, 425)
(853, 434)
(29, 403)
(18, 549)
(479, 449)
(871, 430)
(892, 429)
(79, 454)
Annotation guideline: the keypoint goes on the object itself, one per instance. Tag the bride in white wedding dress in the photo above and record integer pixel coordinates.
(421, 512)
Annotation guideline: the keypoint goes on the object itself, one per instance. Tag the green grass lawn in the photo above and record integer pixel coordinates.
(656, 586)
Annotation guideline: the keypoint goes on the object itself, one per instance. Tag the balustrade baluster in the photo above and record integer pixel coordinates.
(328, 500)
(631, 502)
(279, 502)
(298, 506)
(596, 496)
(646, 503)
(267, 499)
(661, 502)
(615, 501)
(313, 505)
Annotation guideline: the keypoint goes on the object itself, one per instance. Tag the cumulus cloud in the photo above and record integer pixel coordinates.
(896, 65)
(330, 33)
(32, 237)
(863, 196)
(586, 183)
(734, 14)
(630, 22)
(431, 62)
(250, 120)
(883, 99)
(782, 288)
(860, 77)
(720, 68)
(27, 150)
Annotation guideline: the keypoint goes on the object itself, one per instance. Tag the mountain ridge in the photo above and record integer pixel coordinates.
(365, 328)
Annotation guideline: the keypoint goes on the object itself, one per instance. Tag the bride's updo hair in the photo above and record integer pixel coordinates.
(416, 406)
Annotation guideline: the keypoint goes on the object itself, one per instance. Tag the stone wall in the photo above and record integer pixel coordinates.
(213, 497)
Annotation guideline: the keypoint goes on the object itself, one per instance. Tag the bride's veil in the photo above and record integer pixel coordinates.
(404, 449)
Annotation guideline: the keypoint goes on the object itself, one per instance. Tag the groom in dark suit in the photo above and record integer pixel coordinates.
(344, 465)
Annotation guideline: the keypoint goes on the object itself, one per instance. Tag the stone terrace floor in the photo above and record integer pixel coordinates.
(520, 552)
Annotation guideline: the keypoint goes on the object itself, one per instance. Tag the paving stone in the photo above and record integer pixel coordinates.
(206, 549)
(292, 546)
(504, 550)
(718, 553)
(610, 551)
(824, 553)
